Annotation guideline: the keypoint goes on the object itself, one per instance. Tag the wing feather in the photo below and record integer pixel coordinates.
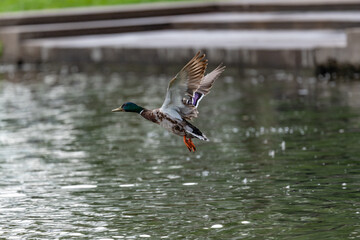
(182, 87)
(188, 87)
(208, 81)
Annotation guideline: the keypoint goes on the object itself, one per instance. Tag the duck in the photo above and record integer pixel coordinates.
(184, 93)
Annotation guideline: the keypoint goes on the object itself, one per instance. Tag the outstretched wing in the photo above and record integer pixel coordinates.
(206, 84)
(181, 89)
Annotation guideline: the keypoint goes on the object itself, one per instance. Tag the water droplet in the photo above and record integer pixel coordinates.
(272, 153)
(128, 185)
(283, 147)
(245, 222)
(216, 226)
(190, 184)
(76, 234)
(12, 195)
(100, 229)
(15, 209)
(172, 176)
(84, 186)
(303, 92)
(144, 236)
(205, 173)
(175, 167)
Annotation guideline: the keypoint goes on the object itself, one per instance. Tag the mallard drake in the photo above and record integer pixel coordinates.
(183, 96)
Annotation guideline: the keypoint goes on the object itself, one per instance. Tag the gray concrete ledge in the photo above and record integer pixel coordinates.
(12, 37)
(287, 58)
(350, 54)
(245, 48)
(269, 20)
(164, 32)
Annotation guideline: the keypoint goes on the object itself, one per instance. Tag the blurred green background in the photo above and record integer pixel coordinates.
(10, 5)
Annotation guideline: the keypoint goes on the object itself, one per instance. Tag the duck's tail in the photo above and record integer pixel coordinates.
(195, 132)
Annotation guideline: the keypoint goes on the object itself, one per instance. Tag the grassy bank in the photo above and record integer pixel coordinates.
(24, 5)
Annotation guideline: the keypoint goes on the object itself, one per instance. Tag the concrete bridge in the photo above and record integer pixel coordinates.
(276, 33)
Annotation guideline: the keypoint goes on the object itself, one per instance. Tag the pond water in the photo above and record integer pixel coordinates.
(283, 161)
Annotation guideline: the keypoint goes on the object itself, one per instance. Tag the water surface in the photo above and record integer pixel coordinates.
(282, 163)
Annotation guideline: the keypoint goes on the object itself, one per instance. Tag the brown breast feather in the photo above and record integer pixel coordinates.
(149, 115)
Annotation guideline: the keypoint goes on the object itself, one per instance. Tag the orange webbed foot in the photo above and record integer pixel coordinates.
(189, 144)
(192, 145)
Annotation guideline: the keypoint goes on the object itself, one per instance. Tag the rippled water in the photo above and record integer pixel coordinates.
(282, 163)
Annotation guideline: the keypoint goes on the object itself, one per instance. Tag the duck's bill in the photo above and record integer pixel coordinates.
(118, 110)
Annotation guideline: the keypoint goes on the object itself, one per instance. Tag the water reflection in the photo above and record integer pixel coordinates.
(283, 161)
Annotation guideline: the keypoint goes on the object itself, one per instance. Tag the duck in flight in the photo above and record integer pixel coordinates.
(183, 96)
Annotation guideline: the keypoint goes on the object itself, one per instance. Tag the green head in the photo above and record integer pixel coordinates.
(128, 107)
